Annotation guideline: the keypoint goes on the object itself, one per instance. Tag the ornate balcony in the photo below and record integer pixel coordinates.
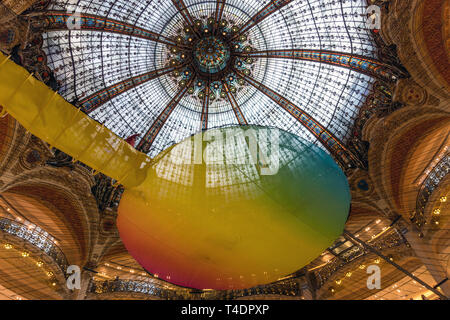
(38, 238)
(392, 240)
(133, 286)
(286, 288)
(429, 185)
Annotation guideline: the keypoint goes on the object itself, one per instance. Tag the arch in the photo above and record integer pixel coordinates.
(409, 153)
(62, 204)
(393, 140)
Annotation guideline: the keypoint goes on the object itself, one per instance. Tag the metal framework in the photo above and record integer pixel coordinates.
(268, 10)
(146, 143)
(220, 5)
(237, 110)
(113, 46)
(205, 107)
(60, 20)
(328, 140)
(181, 7)
(99, 98)
(371, 67)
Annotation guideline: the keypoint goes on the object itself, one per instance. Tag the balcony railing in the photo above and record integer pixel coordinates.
(432, 181)
(286, 288)
(392, 240)
(38, 238)
(134, 286)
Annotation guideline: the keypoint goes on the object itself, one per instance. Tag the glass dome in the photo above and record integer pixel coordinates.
(127, 55)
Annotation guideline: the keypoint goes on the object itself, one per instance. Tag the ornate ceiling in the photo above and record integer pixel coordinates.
(307, 66)
(122, 51)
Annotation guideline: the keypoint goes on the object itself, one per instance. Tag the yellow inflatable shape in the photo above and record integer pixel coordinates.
(48, 116)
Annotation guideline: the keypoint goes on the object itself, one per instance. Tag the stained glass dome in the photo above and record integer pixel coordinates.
(168, 69)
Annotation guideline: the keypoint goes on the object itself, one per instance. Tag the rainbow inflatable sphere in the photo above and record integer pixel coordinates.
(233, 208)
(225, 209)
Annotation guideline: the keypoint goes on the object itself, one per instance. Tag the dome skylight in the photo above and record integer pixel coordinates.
(303, 66)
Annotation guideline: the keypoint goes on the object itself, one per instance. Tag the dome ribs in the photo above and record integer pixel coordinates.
(97, 99)
(361, 64)
(220, 5)
(184, 11)
(337, 149)
(205, 106)
(147, 141)
(61, 20)
(237, 110)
